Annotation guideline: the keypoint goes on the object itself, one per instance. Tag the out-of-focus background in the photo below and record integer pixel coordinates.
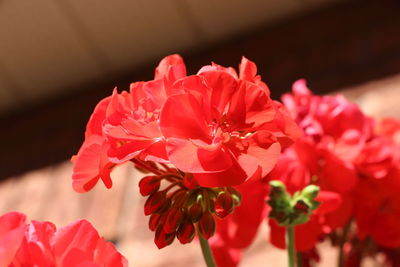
(58, 58)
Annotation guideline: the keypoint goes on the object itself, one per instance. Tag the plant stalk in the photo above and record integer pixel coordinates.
(291, 246)
(207, 254)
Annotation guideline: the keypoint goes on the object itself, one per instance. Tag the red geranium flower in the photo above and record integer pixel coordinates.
(219, 126)
(222, 127)
(124, 126)
(40, 244)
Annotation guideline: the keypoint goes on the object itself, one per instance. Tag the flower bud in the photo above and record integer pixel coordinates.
(154, 221)
(301, 207)
(277, 189)
(207, 225)
(310, 192)
(186, 232)
(236, 195)
(149, 185)
(163, 239)
(180, 198)
(173, 219)
(154, 202)
(290, 210)
(223, 205)
(195, 212)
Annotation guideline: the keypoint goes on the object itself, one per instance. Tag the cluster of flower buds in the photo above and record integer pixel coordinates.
(178, 207)
(290, 210)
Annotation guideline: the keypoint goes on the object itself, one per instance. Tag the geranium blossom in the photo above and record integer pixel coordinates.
(219, 126)
(335, 135)
(124, 126)
(41, 244)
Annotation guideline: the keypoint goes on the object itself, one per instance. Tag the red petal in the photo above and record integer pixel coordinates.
(235, 175)
(338, 175)
(106, 255)
(75, 243)
(95, 124)
(240, 228)
(36, 249)
(12, 229)
(330, 201)
(223, 86)
(90, 164)
(171, 66)
(183, 117)
(247, 70)
(188, 157)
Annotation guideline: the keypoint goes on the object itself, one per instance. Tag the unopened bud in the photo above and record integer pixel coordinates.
(154, 202)
(301, 207)
(149, 185)
(223, 204)
(174, 218)
(195, 212)
(290, 210)
(180, 198)
(310, 192)
(207, 225)
(277, 189)
(186, 232)
(163, 239)
(236, 195)
(154, 221)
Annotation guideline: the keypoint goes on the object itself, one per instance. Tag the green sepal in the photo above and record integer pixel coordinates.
(290, 210)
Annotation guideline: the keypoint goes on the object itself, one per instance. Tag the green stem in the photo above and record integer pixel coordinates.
(290, 246)
(207, 254)
(341, 244)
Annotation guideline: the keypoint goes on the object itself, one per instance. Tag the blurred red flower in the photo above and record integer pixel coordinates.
(335, 134)
(379, 167)
(41, 244)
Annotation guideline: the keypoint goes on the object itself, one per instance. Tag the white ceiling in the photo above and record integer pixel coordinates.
(49, 45)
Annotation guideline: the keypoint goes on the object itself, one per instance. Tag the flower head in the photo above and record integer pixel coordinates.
(219, 126)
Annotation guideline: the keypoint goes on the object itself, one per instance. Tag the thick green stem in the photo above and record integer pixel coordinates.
(207, 254)
(290, 246)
